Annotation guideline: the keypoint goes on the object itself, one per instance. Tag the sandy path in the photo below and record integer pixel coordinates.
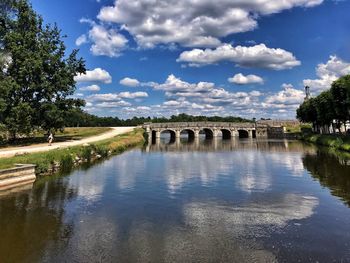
(9, 152)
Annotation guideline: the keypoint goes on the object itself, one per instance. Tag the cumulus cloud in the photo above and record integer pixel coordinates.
(176, 85)
(133, 95)
(258, 56)
(104, 41)
(330, 71)
(129, 82)
(96, 75)
(113, 104)
(240, 79)
(117, 96)
(289, 97)
(189, 22)
(81, 40)
(203, 97)
(200, 98)
(93, 88)
(107, 42)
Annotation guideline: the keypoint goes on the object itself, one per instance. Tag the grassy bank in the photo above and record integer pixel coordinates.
(62, 159)
(68, 134)
(338, 142)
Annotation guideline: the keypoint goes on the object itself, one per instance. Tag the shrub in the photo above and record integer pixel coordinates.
(42, 166)
(101, 150)
(86, 153)
(66, 162)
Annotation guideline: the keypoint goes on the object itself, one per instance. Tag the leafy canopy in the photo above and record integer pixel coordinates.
(36, 76)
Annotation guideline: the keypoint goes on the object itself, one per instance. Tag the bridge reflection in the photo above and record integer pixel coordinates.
(188, 144)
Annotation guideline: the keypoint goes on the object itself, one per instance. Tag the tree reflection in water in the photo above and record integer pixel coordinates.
(332, 172)
(38, 217)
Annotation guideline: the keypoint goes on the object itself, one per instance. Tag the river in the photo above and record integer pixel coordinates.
(240, 200)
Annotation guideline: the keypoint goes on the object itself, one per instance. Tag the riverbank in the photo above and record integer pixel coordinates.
(339, 142)
(64, 159)
(40, 137)
(111, 133)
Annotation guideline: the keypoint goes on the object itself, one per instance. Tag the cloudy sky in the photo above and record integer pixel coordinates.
(249, 58)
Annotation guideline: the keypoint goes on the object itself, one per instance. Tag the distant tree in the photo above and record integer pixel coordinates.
(328, 107)
(307, 112)
(38, 81)
(325, 109)
(340, 92)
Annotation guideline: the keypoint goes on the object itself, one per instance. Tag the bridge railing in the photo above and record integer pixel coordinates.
(200, 125)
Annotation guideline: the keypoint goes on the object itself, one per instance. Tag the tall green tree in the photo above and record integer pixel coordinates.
(325, 108)
(307, 111)
(39, 77)
(340, 91)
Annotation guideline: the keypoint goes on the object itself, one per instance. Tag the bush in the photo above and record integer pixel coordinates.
(306, 130)
(87, 153)
(42, 166)
(66, 162)
(101, 150)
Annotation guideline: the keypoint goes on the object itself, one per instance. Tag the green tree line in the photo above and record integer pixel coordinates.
(330, 108)
(36, 74)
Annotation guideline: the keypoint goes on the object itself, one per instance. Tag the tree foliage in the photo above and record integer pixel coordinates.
(330, 107)
(37, 80)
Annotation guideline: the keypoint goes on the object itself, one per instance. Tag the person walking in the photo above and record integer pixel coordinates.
(50, 139)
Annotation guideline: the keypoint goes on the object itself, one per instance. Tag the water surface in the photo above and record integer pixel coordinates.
(201, 201)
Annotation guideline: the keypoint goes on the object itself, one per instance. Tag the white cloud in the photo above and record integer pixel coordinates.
(129, 82)
(240, 79)
(172, 103)
(133, 95)
(199, 98)
(81, 40)
(113, 104)
(327, 73)
(190, 22)
(289, 96)
(96, 75)
(258, 56)
(92, 88)
(105, 41)
(203, 98)
(255, 93)
(117, 96)
(176, 85)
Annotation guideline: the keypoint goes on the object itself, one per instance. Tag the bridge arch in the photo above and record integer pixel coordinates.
(254, 133)
(209, 133)
(226, 134)
(154, 136)
(190, 133)
(172, 134)
(243, 133)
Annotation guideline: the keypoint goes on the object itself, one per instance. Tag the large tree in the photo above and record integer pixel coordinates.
(37, 80)
(341, 98)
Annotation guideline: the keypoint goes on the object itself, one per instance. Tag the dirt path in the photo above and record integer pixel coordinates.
(9, 152)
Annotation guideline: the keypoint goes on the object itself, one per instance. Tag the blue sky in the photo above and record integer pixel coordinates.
(248, 58)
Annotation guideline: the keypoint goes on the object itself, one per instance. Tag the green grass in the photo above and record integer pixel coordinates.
(298, 128)
(67, 135)
(44, 160)
(339, 142)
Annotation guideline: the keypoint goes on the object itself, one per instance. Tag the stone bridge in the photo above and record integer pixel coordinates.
(211, 129)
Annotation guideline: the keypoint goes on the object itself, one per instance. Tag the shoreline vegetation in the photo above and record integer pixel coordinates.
(334, 141)
(62, 160)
